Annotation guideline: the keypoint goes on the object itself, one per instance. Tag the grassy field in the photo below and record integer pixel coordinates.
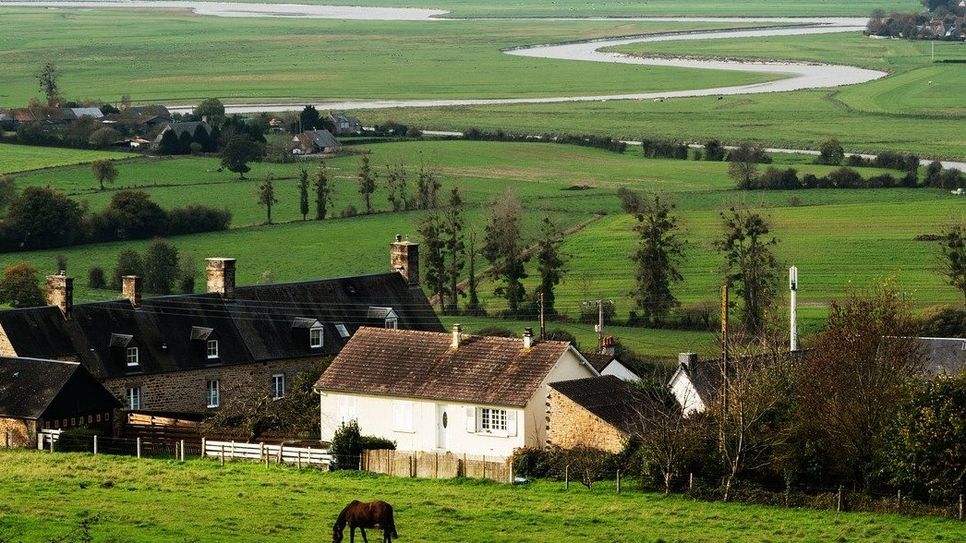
(47, 496)
(153, 56)
(918, 85)
(836, 237)
(613, 8)
(19, 158)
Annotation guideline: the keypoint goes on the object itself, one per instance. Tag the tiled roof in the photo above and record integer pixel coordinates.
(598, 361)
(484, 370)
(611, 399)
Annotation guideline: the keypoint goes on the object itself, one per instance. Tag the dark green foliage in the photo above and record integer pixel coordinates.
(632, 201)
(953, 256)
(96, 278)
(20, 286)
(396, 183)
(47, 77)
(427, 189)
(433, 256)
(664, 149)
(830, 152)
(239, 151)
(8, 191)
(550, 263)
(130, 215)
(367, 182)
(266, 196)
(309, 118)
(60, 262)
(303, 186)
(129, 262)
(211, 109)
(503, 247)
(497, 331)
(169, 144)
(582, 464)
(184, 143)
(161, 270)
(203, 138)
(714, 151)
(944, 322)
(346, 446)
(197, 218)
(750, 263)
(41, 218)
(323, 193)
(559, 334)
(599, 142)
(659, 251)
(104, 171)
(473, 305)
(372, 443)
(454, 248)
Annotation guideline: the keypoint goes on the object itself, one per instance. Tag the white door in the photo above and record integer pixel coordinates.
(442, 422)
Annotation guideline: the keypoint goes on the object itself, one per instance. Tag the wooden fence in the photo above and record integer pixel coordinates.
(261, 452)
(433, 465)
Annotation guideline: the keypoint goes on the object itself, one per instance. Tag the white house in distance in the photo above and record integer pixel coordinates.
(430, 391)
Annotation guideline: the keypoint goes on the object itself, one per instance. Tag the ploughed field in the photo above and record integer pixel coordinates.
(838, 238)
(126, 500)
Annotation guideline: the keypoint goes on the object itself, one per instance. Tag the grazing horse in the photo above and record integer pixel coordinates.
(365, 515)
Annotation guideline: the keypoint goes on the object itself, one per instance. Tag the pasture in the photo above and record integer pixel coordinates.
(21, 158)
(126, 500)
(837, 238)
(154, 56)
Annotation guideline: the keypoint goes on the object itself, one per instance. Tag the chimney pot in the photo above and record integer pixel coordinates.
(131, 289)
(528, 338)
(220, 275)
(457, 336)
(404, 258)
(60, 292)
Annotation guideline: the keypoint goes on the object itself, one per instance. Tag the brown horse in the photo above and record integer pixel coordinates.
(365, 515)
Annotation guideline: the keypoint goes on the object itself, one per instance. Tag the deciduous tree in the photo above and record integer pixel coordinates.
(303, 193)
(266, 196)
(367, 182)
(454, 248)
(104, 172)
(430, 231)
(550, 262)
(323, 193)
(20, 286)
(161, 270)
(239, 152)
(503, 247)
(47, 77)
(953, 257)
(659, 251)
(750, 263)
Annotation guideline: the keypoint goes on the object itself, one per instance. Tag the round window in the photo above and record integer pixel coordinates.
(445, 419)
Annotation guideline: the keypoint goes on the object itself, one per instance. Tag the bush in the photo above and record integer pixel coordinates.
(664, 149)
(631, 201)
(96, 278)
(584, 464)
(346, 446)
(944, 322)
(197, 218)
(349, 211)
(371, 443)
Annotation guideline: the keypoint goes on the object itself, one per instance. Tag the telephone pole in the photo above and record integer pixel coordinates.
(793, 313)
(600, 325)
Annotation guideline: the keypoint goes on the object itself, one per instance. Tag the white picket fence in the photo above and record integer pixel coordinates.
(261, 452)
(46, 438)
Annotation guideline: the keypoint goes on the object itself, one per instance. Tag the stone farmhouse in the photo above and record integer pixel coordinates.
(598, 412)
(431, 391)
(190, 353)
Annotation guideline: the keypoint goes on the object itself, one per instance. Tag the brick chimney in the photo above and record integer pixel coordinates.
(60, 292)
(404, 258)
(528, 338)
(131, 289)
(220, 274)
(607, 345)
(457, 336)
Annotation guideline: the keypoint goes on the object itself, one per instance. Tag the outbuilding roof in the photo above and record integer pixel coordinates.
(608, 397)
(483, 370)
(31, 388)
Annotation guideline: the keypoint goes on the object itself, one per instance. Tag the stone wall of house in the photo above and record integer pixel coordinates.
(571, 426)
(187, 391)
(17, 433)
(6, 348)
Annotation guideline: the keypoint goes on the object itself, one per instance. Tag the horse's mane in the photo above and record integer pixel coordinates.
(341, 521)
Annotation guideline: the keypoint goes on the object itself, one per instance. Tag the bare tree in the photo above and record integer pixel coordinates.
(664, 434)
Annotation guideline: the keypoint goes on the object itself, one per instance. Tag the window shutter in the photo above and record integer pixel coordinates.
(471, 420)
(511, 422)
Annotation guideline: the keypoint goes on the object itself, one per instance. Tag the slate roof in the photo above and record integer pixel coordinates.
(321, 139)
(599, 361)
(608, 397)
(189, 126)
(484, 370)
(31, 388)
(92, 112)
(254, 325)
(944, 356)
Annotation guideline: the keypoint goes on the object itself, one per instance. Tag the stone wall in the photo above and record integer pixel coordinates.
(17, 433)
(187, 391)
(571, 426)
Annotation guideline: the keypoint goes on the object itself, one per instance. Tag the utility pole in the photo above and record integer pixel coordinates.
(600, 326)
(793, 313)
(543, 322)
(724, 345)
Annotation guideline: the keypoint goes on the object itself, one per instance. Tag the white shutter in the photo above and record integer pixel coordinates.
(402, 416)
(511, 422)
(471, 420)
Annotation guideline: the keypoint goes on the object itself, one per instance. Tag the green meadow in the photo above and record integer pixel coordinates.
(20, 158)
(168, 56)
(618, 8)
(127, 500)
(838, 238)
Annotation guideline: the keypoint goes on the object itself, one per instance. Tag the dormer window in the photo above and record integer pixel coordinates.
(212, 348)
(132, 356)
(315, 337)
(386, 315)
(392, 322)
(343, 331)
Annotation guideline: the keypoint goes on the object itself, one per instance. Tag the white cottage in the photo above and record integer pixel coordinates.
(431, 391)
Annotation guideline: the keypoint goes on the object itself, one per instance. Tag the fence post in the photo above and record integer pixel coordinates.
(898, 500)
(310, 456)
(182, 450)
(51, 443)
(484, 466)
(40, 441)
(6, 437)
(95, 444)
(618, 481)
(278, 460)
(222, 454)
(960, 507)
(233, 449)
(139, 448)
(509, 465)
(690, 481)
(838, 502)
(298, 460)
(567, 477)
(436, 467)
(204, 447)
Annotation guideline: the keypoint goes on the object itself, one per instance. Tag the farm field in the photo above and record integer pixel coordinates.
(152, 57)
(158, 500)
(918, 85)
(20, 158)
(834, 236)
(614, 8)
